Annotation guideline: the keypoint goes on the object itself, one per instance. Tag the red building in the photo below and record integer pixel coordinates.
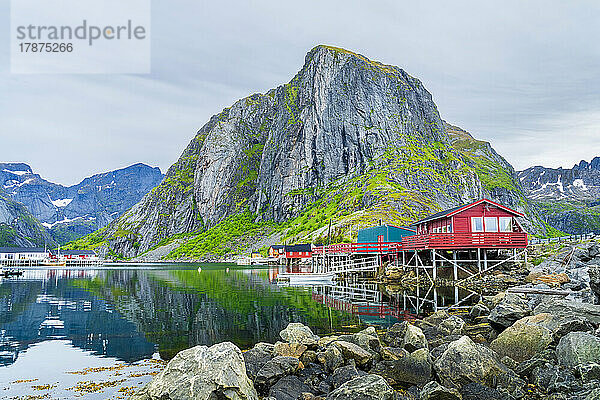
(483, 223)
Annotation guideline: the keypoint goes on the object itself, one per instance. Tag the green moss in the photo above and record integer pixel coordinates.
(217, 240)
(88, 242)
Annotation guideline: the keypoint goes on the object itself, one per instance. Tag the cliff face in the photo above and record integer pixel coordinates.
(19, 228)
(347, 139)
(570, 198)
(73, 211)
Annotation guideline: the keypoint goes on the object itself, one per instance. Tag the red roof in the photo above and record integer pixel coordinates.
(453, 211)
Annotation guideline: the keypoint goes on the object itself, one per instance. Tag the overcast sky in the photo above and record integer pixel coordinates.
(524, 76)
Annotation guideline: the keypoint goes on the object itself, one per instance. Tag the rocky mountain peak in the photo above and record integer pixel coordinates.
(347, 139)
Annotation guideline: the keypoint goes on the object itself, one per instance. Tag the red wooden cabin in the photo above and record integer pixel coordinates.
(482, 224)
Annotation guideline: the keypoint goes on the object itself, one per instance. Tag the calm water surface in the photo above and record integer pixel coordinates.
(101, 334)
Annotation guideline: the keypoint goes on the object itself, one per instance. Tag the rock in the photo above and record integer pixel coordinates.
(578, 348)
(313, 375)
(510, 309)
(354, 352)
(594, 273)
(550, 378)
(414, 339)
(368, 387)
(256, 357)
(275, 369)
(296, 332)
(452, 326)
(435, 391)
(464, 362)
(331, 358)
(394, 336)
(289, 349)
(408, 369)
(589, 372)
(568, 308)
(308, 357)
(326, 340)
(202, 373)
(477, 391)
(478, 310)
(522, 340)
(289, 388)
(343, 374)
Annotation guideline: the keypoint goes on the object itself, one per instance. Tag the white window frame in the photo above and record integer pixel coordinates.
(474, 225)
(509, 227)
(492, 220)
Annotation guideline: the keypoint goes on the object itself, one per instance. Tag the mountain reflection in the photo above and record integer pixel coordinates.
(132, 313)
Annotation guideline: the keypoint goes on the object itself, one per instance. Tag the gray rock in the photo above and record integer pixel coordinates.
(343, 374)
(394, 336)
(512, 308)
(478, 310)
(289, 349)
(578, 348)
(567, 308)
(351, 351)
(408, 369)
(275, 369)
(368, 387)
(589, 372)
(435, 391)
(594, 273)
(202, 373)
(296, 332)
(523, 340)
(414, 339)
(477, 391)
(452, 326)
(550, 378)
(289, 388)
(464, 362)
(256, 357)
(331, 358)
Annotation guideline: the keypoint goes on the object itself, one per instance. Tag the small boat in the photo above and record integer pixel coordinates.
(305, 277)
(10, 272)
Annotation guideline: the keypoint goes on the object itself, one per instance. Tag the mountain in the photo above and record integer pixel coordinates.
(569, 198)
(348, 139)
(18, 228)
(70, 212)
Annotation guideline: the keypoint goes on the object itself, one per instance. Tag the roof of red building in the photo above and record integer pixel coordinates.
(455, 210)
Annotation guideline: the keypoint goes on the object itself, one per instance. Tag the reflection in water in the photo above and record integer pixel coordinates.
(130, 314)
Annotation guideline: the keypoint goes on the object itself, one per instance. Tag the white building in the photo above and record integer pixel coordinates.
(24, 253)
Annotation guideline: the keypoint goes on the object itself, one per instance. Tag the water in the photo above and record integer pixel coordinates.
(101, 333)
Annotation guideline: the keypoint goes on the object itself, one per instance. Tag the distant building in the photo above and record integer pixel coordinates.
(277, 250)
(81, 255)
(298, 251)
(255, 254)
(384, 234)
(24, 253)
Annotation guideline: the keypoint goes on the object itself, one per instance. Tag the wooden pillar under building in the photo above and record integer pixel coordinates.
(485, 260)
(434, 272)
(454, 265)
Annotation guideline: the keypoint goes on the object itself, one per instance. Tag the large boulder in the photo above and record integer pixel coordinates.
(452, 326)
(202, 373)
(512, 308)
(368, 387)
(435, 391)
(344, 374)
(275, 369)
(522, 340)
(289, 349)
(256, 357)
(578, 348)
(352, 351)
(406, 368)
(465, 361)
(414, 339)
(568, 308)
(296, 332)
(477, 391)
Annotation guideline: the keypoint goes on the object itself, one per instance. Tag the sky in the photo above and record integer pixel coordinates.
(524, 76)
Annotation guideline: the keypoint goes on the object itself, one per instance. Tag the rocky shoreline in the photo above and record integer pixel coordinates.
(508, 346)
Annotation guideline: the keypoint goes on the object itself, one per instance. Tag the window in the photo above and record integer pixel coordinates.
(477, 224)
(443, 229)
(505, 224)
(449, 228)
(491, 224)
